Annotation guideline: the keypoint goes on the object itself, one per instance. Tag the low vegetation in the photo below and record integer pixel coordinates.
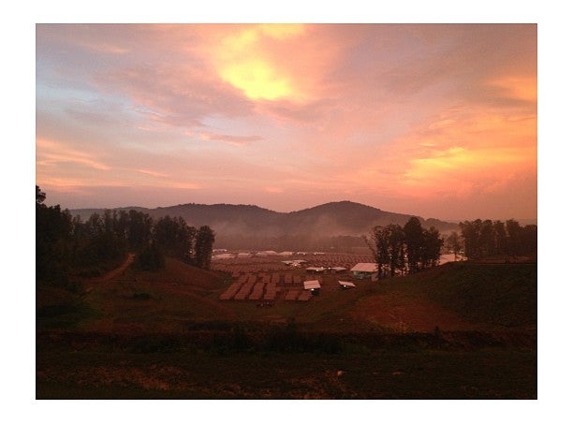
(166, 334)
(129, 329)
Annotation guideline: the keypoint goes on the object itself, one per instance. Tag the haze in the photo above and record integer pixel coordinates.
(434, 120)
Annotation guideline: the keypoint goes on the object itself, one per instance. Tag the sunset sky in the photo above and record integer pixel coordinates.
(437, 120)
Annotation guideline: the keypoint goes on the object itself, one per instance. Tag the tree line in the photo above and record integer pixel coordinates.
(411, 248)
(406, 249)
(66, 245)
(481, 239)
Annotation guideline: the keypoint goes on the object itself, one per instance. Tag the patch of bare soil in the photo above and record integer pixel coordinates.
(409, 314)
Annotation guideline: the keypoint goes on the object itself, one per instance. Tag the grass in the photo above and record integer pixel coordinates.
(504, 295)
(167, 335)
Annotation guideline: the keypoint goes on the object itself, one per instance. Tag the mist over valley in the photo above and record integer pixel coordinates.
(334, 225)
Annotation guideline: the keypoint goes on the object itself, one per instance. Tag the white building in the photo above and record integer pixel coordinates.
(365, 270)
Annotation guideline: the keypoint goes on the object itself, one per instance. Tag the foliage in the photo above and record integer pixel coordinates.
(174, 236)
(150, 258)
(410, 247)
(53, 246)
(389, 249)
(414, 239)
(67, 246)
(203, 247)
(486, 238)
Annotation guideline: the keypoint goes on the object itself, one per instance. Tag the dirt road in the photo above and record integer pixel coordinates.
(117, 271)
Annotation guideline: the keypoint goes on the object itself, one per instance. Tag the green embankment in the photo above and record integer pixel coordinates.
(500, 294)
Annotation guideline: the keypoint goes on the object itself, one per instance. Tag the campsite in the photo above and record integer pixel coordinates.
(460, 330)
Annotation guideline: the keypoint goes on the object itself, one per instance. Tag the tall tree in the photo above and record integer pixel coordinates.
(139, 231)
(392, 247)
(529, 239)
(487, 238)
(432, 247)
(53, 235)
(173, 236)
(203, 248)
(379, 245)
(513, 229)
(483, 239)
(414, 239)
(500, 238)
(396, 254)
(471, 234)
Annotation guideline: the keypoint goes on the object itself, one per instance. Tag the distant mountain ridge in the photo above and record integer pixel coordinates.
(243, 224)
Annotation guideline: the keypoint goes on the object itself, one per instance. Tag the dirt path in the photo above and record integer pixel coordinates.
(114, 273)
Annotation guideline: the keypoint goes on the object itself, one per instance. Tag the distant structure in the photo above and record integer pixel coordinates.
(315, 270)
(365, 270)
(346, 284)
(313, 286)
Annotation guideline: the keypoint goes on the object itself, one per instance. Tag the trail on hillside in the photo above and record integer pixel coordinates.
(117, 271)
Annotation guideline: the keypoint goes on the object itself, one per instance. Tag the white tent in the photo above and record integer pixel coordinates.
(311, 285)
(346, 284)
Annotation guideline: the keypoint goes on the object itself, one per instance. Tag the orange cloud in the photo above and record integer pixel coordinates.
(272, 62)
(53, 153)
(242, 60)
(518, 87)
(447, 168)
(485, 150)
(236, 140)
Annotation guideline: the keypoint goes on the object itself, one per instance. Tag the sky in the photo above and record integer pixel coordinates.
(436, 120)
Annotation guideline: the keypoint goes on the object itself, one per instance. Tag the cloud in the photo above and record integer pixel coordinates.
(229, 139)
(153, 173)
(309, 111)
(180, 96)
(466, 152)
(245, 58)
(53, 153)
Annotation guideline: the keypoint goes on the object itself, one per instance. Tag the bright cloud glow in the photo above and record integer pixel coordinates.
(242, 60)
(424, 119)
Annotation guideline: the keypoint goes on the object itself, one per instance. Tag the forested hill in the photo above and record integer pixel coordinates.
(238, 225)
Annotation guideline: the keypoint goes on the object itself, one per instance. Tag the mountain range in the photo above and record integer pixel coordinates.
(250, 226)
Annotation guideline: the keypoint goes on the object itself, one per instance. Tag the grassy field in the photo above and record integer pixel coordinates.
(457, 331)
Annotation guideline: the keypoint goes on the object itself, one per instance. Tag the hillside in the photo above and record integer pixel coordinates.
(252, 227)
(456, 331)
(454, 297)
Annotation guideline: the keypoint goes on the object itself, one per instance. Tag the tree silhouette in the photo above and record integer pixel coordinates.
(394, 246)
(203, 250)
(414, 238)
